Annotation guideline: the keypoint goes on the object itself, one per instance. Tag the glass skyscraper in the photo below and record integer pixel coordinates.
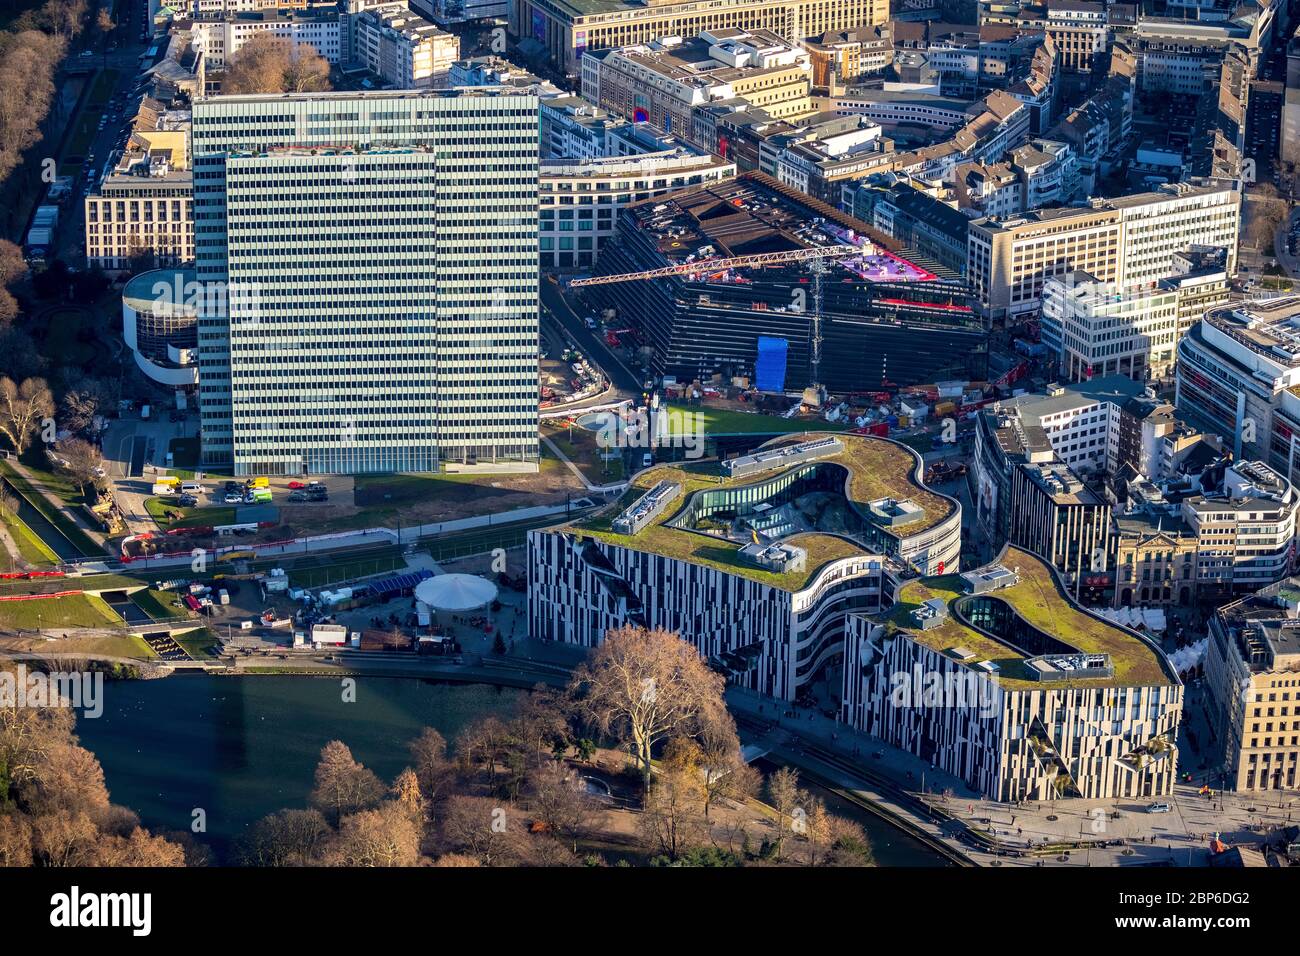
(371, 267)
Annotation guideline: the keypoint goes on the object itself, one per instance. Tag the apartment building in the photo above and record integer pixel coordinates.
(1098, 328)
(1127, 241)
(142, 211)
(382, 300)
(563, 30)
(665, 81)
(1245, 530)
(402, 49)
(999, 677)
(1252, 672)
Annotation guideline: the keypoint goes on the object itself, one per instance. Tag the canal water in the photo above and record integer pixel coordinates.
(239, 748)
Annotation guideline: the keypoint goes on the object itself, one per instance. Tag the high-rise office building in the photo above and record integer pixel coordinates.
(378, 254)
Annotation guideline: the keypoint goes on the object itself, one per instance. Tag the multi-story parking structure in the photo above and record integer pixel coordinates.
(759, 570)
(997, 677)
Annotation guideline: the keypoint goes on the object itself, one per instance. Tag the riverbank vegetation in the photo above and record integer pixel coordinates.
(637, 763)
(54, 807)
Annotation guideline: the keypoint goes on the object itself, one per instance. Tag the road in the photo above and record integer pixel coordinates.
(125, 59)
(624, 379)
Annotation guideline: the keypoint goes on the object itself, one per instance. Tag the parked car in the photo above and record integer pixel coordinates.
(1160, 808)
(233, 498)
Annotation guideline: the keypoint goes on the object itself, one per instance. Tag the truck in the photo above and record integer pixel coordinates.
(40, 243)
(46, 217)
(166, 485)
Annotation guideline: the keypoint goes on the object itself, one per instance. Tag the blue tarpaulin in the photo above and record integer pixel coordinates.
(769, 369)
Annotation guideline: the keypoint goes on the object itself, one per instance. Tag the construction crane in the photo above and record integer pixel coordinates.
(719, 263)
(815, 256)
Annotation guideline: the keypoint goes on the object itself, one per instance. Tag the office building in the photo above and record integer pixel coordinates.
(402, 49)
(563, 30)
(1103, 330)
(1252, 673)
(999, 677)
(1239, 375)
(1128, 241)
(757, 565)
(379, 253)
(142, 211)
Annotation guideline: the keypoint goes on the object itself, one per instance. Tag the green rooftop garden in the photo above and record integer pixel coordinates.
(1039, 599)
(877, 469)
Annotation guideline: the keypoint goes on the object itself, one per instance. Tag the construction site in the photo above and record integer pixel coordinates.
(755, 283)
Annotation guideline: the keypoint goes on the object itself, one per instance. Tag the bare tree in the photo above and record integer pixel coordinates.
(83, 404)
(433, 770)
(386, 836)
(783, 790)
(81, 460)
(343, 785)
(270, 64)
(22, 409)
(726, 775)
(560, 801)
(478, 827)
(645, 686)
(673, 820)
(287, 838)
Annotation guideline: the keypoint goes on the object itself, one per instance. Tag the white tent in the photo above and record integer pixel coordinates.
(456, 592)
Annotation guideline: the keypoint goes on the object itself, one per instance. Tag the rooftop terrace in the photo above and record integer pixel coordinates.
(877, 468)
(1038, 597)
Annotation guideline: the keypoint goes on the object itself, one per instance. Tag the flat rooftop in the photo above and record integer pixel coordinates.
(1037, 596)
(1270, 327)
(877, 468)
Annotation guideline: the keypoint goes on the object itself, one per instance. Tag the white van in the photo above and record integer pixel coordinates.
(1160, 808)
(192, 488)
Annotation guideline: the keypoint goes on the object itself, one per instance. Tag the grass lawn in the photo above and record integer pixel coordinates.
(56, 516)
(198, 644)
(190, 517)
(483, 540)
(157, 604)
(326, 574)
(582, 447)
(63, 343)
(108, 645)
(30, 548)
(75, 610)
(722, 421)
